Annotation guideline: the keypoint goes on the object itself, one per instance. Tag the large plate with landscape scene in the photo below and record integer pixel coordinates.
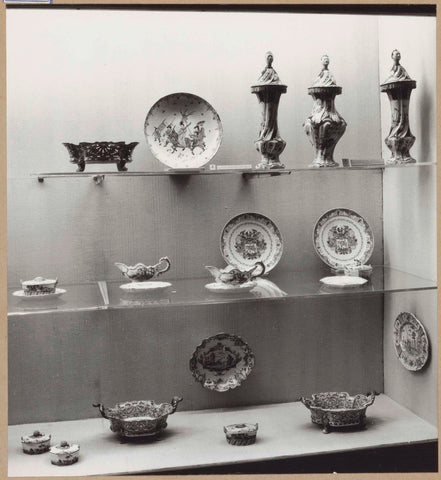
(222, 362)
(342, 237)
(183, 131)
(249, 238)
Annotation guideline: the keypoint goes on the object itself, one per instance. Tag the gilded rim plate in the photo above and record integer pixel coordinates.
(46, 296)
(411, 341)
(183, 131)
(222, 362)
(217, 287)
(343, 281)
(249, 238)
(342, 237)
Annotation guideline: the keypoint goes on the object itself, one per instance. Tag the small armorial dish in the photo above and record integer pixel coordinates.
(183, 131)
(249, 238)
(343, 239)
(338, 409)
(101, 152)
(411, 341)
(222, 362)
(139, 418)
(36, 443)
(65, 454)
(241, 434)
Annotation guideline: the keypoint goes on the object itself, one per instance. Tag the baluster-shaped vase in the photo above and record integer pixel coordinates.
(268, 90)
(398, 87)
(325, 126)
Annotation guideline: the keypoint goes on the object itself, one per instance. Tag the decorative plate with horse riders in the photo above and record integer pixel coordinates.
(183, 131)
(342, 237)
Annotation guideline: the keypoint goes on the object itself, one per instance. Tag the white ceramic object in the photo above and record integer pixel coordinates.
(136, 287)
(249, 238)
(411, 341)
(36, 443)
(222, 362)
(23, 296)
(343, 238)
(226, 289)
(183, 131)
(64, 454)
(39, 286)
(343, 281)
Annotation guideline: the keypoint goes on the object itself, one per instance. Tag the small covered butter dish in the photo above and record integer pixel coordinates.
(39, 286)
(36, 443)
(241, 434)
(64, 453)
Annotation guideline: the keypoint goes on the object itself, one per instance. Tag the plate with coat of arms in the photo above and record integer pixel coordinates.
(342, 237)
(249, 238)
(411, 341)
(183, 131)
(222, 362)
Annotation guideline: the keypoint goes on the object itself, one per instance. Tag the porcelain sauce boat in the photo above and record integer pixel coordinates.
(234, 276)
(139, 418)
(141, 272)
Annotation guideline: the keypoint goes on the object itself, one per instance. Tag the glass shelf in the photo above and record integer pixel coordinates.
(220, 170)
(278, 286)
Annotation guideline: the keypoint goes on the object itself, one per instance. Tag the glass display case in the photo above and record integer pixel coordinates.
(98, 344)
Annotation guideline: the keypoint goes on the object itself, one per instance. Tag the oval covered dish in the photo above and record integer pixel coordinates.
(39, 286)
(241, 434)
(36, 443)
(65, 454)
(139, 418)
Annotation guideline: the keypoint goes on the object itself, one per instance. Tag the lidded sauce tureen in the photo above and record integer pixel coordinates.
(65, 454)
(139, 418)
(36, 443)
(39, 286)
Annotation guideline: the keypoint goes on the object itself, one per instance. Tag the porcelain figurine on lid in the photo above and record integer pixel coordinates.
(268, 90)
(325, 126)
(398, 87)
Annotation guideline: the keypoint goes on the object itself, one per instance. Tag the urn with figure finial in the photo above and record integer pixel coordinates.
(398, 86)
(268, 90)
(325, 126)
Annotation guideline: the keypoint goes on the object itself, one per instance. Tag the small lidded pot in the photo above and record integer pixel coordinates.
(241, 434)
(36, 443)
(39, 286)
(64, 454)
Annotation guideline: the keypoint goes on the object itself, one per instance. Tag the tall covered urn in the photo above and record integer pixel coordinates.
(325, 126)
(268, 90)
(398, 86)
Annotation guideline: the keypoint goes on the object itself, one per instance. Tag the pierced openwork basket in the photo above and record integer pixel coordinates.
(338, 409)
(101, 152)
(139, 418)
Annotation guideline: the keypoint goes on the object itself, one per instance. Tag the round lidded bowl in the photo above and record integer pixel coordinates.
(64, 454)
(36, 443)
(39, 286)
(241, 434)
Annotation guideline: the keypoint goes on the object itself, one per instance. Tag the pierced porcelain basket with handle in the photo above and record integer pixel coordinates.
(338, 409)
(139, 418)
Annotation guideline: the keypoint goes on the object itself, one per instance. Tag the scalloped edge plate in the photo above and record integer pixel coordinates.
(135, 287)
(221, 288)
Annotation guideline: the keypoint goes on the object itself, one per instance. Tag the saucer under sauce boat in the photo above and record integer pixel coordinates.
(344, 241)
(338, 409)
(222, 362)
(249, 238)
(139, 418)
(241, 434)
(36, 443)
(101, 152)
(183, 131)
(343, 281)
